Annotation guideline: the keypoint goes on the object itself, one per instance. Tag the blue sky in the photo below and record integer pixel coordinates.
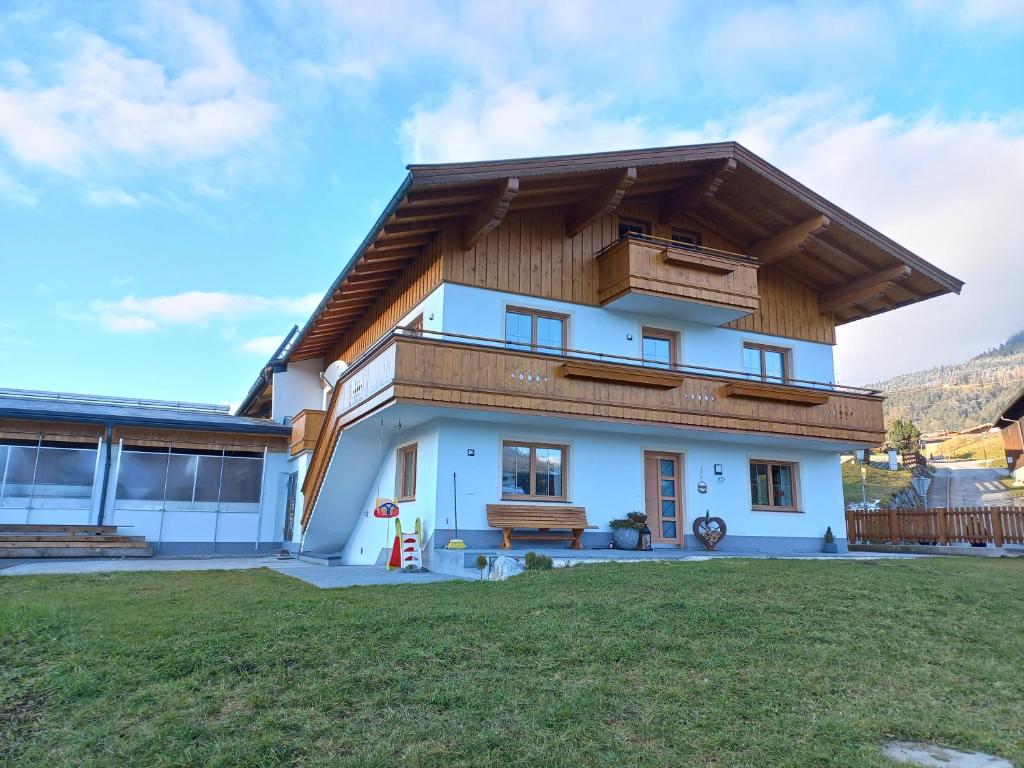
(180, 182)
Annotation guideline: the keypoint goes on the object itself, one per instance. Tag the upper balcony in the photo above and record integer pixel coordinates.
(644, 274)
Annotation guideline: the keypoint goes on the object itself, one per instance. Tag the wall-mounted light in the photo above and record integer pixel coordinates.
(430, 316)
(471, 452)
(718, 469)
(629, 337)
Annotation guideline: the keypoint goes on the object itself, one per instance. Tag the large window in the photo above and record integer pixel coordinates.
(536, 331)
(658, 348)
(33, 469)
(766, 363)
(773, 485)
(189, 476)
(633, 227)
(533, 471)
(405, 483)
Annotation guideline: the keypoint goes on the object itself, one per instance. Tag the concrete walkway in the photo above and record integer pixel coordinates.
(317, 575)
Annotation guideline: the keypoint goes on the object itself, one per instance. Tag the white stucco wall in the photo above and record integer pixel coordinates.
(481, 312)
(297, 388)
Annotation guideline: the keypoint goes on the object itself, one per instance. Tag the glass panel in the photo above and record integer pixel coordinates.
(549, 333)
(409, 473)
(752, 361)
(141, 476)
(775, 366)
(515, 470)
(207, 478)
(549, 471)
(657, 350)
(181, 476)
(3, 467)
(668, 529)
(668, 467)
(668, 508)
(782, 485)
(631, 228)
(682, 236)
(241, 481)
(518, 330)
(759, 485)
(668, 488)
(65, 472)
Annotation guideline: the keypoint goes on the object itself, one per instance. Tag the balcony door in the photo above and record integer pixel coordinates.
(663, 500)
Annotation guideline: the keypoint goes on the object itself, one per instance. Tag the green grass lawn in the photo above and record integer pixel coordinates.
(1011, 486)
(988, 445)
(722, 663)
(881, 483)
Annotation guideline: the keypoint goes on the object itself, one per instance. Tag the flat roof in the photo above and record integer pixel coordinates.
(96, 409)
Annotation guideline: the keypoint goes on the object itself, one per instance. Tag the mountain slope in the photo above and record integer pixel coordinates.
(961, 395)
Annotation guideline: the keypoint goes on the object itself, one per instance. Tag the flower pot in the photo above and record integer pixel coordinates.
(625, 538)
(830, 547)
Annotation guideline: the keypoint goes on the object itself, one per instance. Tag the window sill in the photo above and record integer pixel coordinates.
(786, 510)
(535, 499)
(403, 499)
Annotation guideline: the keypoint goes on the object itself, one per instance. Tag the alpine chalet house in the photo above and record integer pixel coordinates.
(550, 343)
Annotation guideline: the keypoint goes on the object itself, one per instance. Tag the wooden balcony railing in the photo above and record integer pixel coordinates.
(717, 286)
(305, 430)
(477, 373)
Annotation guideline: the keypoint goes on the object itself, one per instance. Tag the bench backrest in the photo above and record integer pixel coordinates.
(521, 516)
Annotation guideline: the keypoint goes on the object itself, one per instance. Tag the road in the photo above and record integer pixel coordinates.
(970, 485)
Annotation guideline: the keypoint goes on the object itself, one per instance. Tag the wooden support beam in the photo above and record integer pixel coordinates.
(491, 212)
(860, 290)
(703, 188)
(604, 200)
(395, 228)
(790, 240)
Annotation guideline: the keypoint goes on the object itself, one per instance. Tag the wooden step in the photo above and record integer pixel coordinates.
(99, 543)
(70, 538)
(83, 550)
(32, 528)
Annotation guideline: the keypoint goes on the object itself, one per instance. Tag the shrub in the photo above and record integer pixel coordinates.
(481, 562)
(535, 562)
(829, 536)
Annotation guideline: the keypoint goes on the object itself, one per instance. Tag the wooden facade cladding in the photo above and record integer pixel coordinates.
(663, 269)
(49, 431)
(305, 430)
(200, 439)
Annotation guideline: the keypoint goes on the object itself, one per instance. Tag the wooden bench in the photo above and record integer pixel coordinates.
(509, 517)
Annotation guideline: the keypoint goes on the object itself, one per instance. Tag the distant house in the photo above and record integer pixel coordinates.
(1012, 430)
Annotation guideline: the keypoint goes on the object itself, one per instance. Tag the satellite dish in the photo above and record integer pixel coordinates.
(334, 372)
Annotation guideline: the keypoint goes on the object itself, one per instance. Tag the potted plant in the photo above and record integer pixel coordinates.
(830, 542)
(481, 565)
(625, 534)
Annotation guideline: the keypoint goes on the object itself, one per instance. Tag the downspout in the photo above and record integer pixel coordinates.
(108, 438)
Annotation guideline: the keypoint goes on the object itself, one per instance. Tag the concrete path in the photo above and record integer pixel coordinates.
(969, 485)
(317, 575)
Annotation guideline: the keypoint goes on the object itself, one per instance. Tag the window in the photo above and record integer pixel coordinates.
(686, 237)
(536, 331)
(630, 227)
(766, 363)
(30, 468)
(658, 348)
(533, 471)
(189, 476)
(405, 483)
(773, 486)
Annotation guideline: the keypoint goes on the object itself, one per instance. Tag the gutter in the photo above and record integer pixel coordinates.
(367, 241)
(270, 428)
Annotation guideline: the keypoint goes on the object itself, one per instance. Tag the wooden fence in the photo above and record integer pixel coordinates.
(972, 525)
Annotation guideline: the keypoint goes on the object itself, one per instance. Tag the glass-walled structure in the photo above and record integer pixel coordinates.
(39, 470)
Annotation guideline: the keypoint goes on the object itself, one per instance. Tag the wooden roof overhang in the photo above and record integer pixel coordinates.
(856, 270)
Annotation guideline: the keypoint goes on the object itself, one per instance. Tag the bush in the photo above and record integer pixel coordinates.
(535, 562)
(481, 562)
(830, 537)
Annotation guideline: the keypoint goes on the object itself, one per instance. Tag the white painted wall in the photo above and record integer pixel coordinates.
(297, 388)
(481, 312)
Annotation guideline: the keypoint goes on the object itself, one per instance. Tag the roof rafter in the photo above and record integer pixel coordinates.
(789, 240)
(491, 212)
(705, 187)
(865, 289)
(603, 201)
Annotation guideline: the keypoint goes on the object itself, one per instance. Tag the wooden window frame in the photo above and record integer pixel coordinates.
(533, 446)
(787, 362)
(661, 333)
(534, 314)
(794, 468)
(401, 492)
(642, 223)
(698, 238)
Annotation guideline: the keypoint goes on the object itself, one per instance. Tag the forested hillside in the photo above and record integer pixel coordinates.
(958, 396)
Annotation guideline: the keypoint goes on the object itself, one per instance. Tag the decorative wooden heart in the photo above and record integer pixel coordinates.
(709, 530)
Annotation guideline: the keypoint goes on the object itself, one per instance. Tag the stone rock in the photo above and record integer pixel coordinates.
(934, 756)
(505, 567)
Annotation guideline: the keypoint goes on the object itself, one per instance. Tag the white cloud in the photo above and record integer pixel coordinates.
(132, 314)
(13, 190)
(103, 101)
(947, 190)
(261, 345)
(974, 13)
(110, 197)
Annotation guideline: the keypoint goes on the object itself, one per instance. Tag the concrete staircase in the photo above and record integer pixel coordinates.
(27, 541)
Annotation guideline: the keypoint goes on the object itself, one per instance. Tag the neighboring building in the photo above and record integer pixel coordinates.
(644, 330)
(1012, 431)
(191, 478)
(931, 444)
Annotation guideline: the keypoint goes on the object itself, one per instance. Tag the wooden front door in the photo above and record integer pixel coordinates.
(663, 497)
